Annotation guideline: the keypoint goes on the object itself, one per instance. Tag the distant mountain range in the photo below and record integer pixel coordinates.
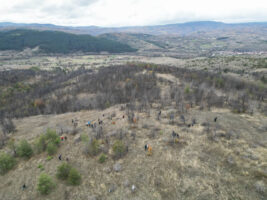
(170, 29)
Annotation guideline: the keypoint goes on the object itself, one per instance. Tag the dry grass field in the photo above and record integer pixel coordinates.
(227, 165)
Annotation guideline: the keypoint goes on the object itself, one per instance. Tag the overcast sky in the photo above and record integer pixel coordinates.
(130, 12)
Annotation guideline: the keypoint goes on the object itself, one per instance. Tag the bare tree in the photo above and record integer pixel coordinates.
(7, 126)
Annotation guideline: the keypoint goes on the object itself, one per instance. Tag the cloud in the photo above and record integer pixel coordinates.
(85, 2)
(130, 12)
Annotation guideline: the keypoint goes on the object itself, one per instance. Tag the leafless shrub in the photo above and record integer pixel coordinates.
(211, 135)
(7, 125)
(99, 132)
(113, 115)
(145, 126)
(74, 131)
(152, 134)
(131, 117)
(92, 148)
(133, 135)
(3, 139)
(182, 118)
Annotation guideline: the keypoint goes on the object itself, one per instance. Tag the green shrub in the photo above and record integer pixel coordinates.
(49, 158)
(41, 167)
(51, 136)
(261, 86)
(63, 171)
(187, 90)
(35, 68)
(45, 184)
(119, 148)
(225, 70)
(263, 79)
(102, 158)
(24, 149)
(107, 104)
(40, 144)
(48, 141)
(74, 177)
(7, 162)
(51, 149)
(219, 82)
(85, 137)
(66, 172)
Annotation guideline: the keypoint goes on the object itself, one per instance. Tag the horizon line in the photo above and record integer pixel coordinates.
(83, 26)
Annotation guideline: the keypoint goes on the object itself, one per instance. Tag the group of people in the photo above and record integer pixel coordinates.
(62, 138)
(93, 125)
(148, 148)
(74, 122)
(60, 157)
(100, 122)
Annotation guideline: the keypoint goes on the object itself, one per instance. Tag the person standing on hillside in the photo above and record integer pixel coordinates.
(148, 148)
(24, 186)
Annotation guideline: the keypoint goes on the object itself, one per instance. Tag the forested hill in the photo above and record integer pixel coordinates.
(181, 29)
(58, 42)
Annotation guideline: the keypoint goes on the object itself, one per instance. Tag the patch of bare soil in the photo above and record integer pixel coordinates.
(168, 77)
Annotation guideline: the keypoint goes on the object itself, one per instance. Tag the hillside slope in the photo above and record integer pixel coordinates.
(207, 131)
(58, 42)
(195, 167)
